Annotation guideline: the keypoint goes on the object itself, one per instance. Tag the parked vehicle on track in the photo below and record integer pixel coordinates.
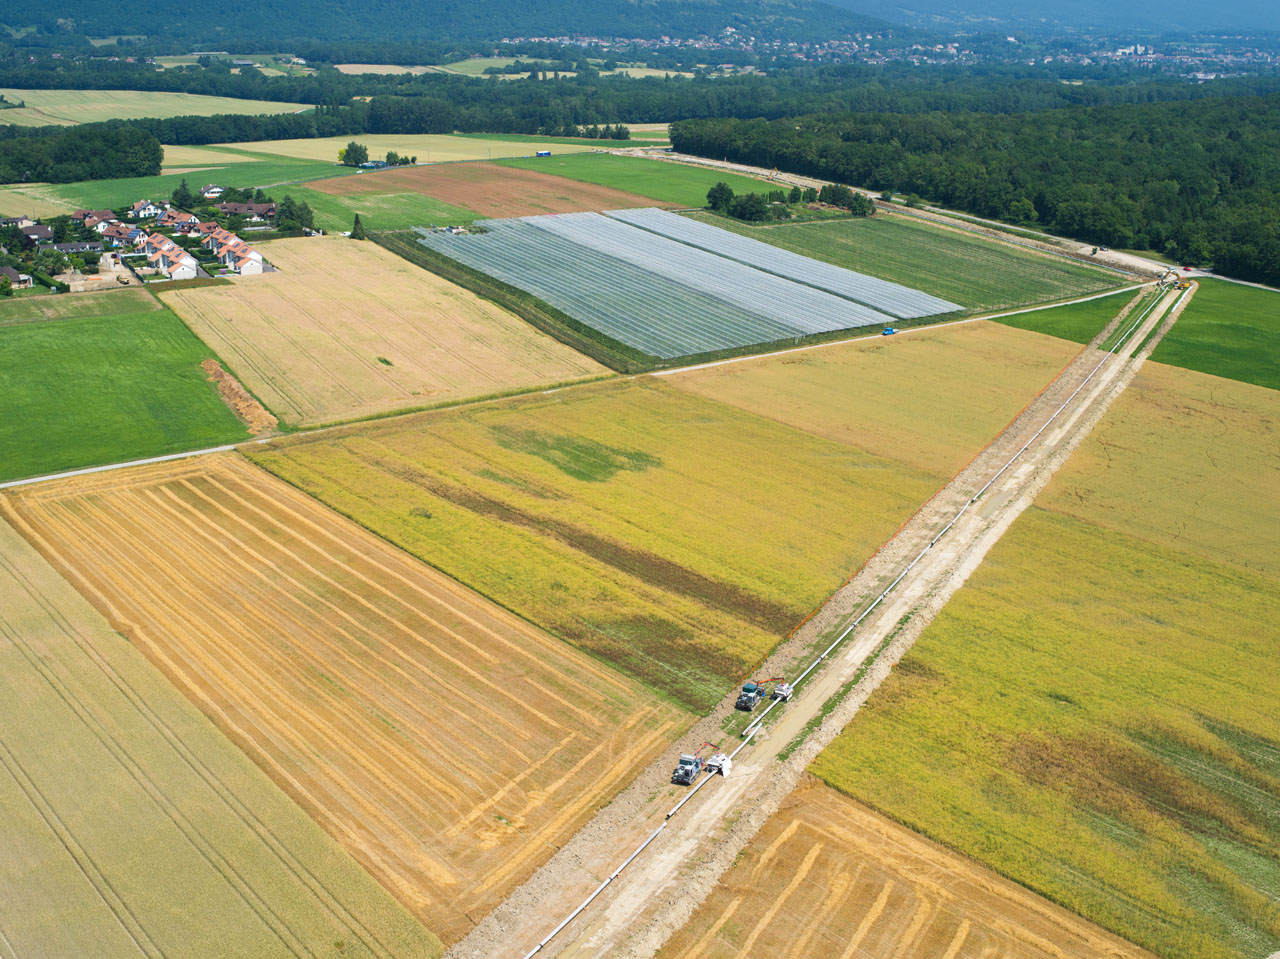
(750, 697)
(687, 770)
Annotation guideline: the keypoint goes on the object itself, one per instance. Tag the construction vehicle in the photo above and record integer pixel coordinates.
(687, 770)
(783, 691)
(888, 331)
(750, 697)
(690, 766)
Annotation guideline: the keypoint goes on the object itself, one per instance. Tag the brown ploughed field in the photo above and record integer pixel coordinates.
(447, 745)
(828, 877)
(488, 189)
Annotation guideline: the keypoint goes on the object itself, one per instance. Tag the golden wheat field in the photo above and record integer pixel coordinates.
(133, 827)
(828, 877)
(930, 398)
(445, 744)
(347, 329)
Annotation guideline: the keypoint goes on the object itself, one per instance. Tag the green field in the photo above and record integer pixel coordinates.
(1227, 330)
(1095, 713)
(240, 170)
(379, 211)
(673, 535)
(101, 387)
(979, 274)
(133, 827)
(1078, 322)
(663, 181)
(65, 107)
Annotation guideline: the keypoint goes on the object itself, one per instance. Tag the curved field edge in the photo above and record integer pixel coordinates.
(1093, 715)
(121, 800)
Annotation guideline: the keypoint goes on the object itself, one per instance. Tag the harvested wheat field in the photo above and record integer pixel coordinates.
(347, 329)
(930, 398)
(489, 189)
(132, 827)
(828, 877)
(446, 744)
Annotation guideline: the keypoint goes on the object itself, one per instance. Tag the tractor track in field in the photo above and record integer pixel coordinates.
(646, 904)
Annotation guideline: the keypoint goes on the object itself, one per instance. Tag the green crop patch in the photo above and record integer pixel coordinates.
(977, 273)
(102, 388)
(674, 535)
(1228, 330)
(662, 181)
(378, 211)
(1078, 322)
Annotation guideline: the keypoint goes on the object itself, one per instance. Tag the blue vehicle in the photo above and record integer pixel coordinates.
(888, 331)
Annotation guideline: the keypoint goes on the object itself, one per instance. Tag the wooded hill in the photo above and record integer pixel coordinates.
(1199, 181)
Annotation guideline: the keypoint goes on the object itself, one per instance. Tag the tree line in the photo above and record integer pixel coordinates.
(1197, 181)
(99, 152)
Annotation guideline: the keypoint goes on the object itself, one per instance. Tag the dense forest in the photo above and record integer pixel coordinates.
(103, 151)
(1199, 181)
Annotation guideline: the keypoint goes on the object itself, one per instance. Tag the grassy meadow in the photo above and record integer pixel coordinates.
(675, 536)
(379, 211)
(1078, 322)
(665, 182)
(1095, 713)
(1228, 330)
(114, 378)
(977, 273)
(68, 107)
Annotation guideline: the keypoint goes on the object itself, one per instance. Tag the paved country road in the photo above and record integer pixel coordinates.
(661, 888)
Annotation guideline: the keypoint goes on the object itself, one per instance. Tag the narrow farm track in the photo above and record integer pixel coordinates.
(446, 744)
(659, 890)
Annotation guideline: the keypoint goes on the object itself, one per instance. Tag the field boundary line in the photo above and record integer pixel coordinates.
(307, 433)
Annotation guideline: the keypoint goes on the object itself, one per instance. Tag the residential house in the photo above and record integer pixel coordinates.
(233, 252)
(18, 221)
(81, 215)
(145, 210)
(19, 281)
(257, 212)
(99, 224)
(38, 233)
(175, 219)
(212, 191)
(169, 258)
(121, 234)
(69, 248)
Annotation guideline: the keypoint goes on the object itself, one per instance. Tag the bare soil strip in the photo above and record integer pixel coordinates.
(490, 190)
(449, 746)
(659, 892)
(242, 403)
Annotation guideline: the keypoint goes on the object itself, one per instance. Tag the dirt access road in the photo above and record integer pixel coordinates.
(659, 891)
